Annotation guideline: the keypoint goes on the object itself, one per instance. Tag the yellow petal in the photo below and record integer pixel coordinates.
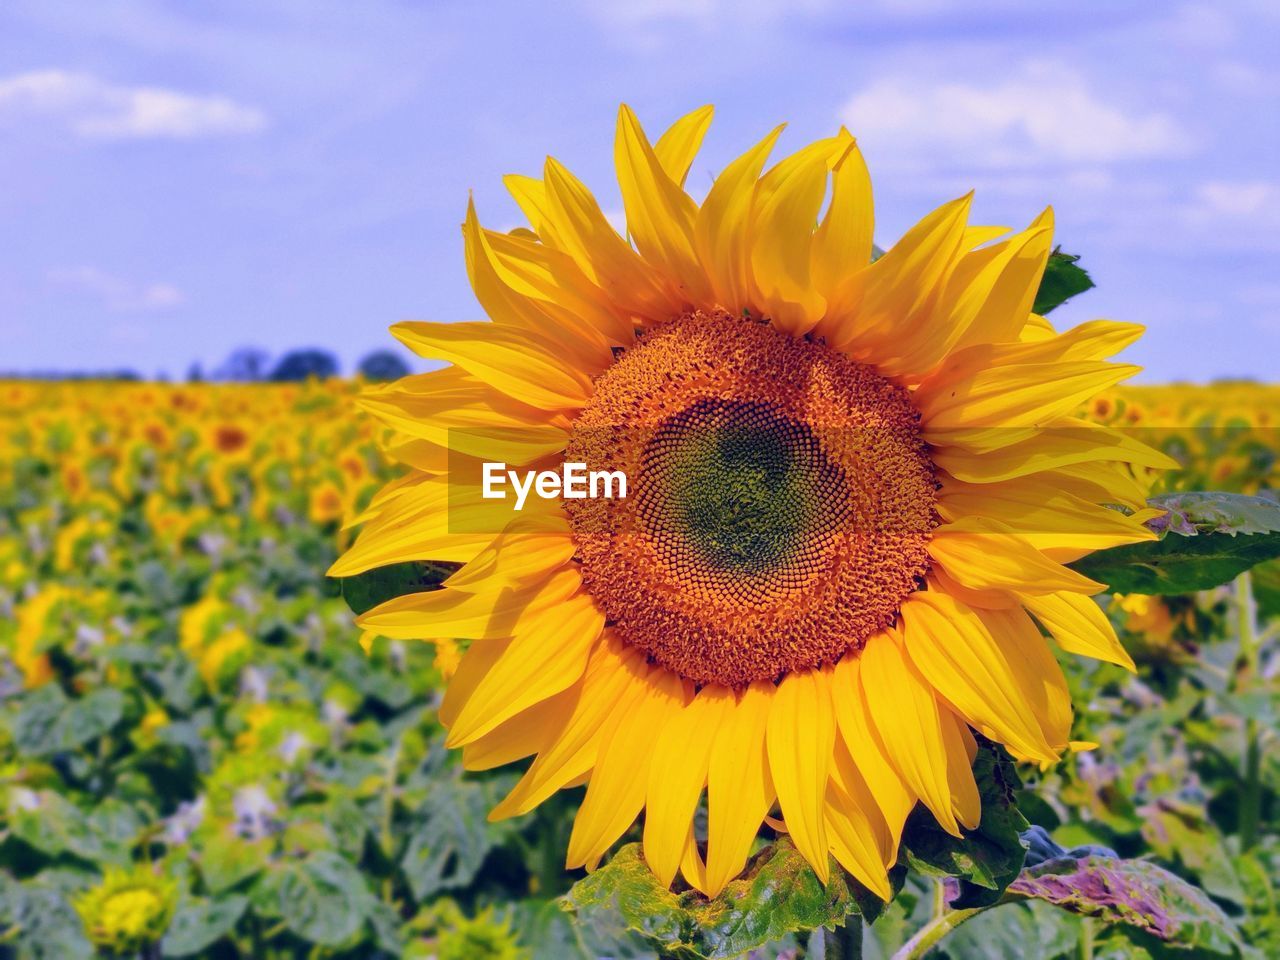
(546, 656)
(1006, 304)
(843, 242)
(541, 272)
(1063, 526)
(615, 794)
(573, 338)
(472, 669)
(983, 409)
(860, 840)
(800, 738)
(677, 774)
(720, 229)
(583, 232)
(985, 555)
(1066, 442)
(976, 301)
(519, 554)
(960, 748)
(523, 735)
(1039, 677)
(692, 867)
(863, 744)
(782, 225)
(1079, 626)
(660, 215)
(955, 652)
(739, 789)
(464, 615)
(677, 147)
(413, 526)
(897, 291)
(614, 681)
(506, 358)
(459, 413)
(905, 713)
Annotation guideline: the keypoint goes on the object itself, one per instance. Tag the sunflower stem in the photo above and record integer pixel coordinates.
(1251, 795)
(939, 898)
(927, 937)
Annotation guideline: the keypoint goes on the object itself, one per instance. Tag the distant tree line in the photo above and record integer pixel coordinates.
(249, 365)
(253, 365)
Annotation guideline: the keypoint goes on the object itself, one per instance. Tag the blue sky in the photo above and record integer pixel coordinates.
(181, 179)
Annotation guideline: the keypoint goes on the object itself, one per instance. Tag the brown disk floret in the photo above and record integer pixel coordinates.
(780, 500)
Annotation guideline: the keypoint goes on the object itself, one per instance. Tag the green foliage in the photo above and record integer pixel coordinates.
(779, 894)
(200, 923)
(1136, 893)
(986, 860)
(196, 701)
(1062, 280)
(1208, 539)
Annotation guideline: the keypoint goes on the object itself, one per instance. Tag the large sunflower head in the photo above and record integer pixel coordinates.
(853, 487)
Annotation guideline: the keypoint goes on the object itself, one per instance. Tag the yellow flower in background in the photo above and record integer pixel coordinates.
(28, 651)
(853, 487)
(326, 503)
(224, 656)
(197, 622)
(128, 911)
(447, 658)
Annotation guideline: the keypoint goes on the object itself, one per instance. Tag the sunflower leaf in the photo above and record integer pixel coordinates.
(1136, 893)
(1062, 280)
(985, 860)
(624, 897)
(1207, 539)
(323, 899)
(199, 923)
(779, 894)
(364, 591)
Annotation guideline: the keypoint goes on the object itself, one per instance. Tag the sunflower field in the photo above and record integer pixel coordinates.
(202, 756)
(916, 635)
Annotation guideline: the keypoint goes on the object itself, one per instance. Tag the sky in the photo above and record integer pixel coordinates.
(178, 180)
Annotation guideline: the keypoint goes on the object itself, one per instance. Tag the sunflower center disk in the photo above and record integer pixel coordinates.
(780, 501)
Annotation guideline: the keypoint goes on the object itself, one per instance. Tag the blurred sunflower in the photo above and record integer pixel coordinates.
(853, 487)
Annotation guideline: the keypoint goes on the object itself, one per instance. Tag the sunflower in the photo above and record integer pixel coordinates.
(854, 487)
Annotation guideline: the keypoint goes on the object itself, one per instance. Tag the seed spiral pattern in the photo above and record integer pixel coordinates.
(780, 500)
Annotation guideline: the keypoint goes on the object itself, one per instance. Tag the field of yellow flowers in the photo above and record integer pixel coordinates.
(200, 756)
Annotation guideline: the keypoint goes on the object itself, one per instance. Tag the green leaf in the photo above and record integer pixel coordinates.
(1015, 931)
(227, 860)
(48, 927)
(985, 860)
(1062, 280)
(49, 722)
(366, 590)
(547, 932)
(779, 894)
(323, 899)
(199, 923)
(54, 825)
(1208, 539)
(1137, 893)
(453, 835)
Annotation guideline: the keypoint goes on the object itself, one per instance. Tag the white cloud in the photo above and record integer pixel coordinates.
(116, 293)
(95, 109)
(1044, 114)
(633, 13)
(1243, 199)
